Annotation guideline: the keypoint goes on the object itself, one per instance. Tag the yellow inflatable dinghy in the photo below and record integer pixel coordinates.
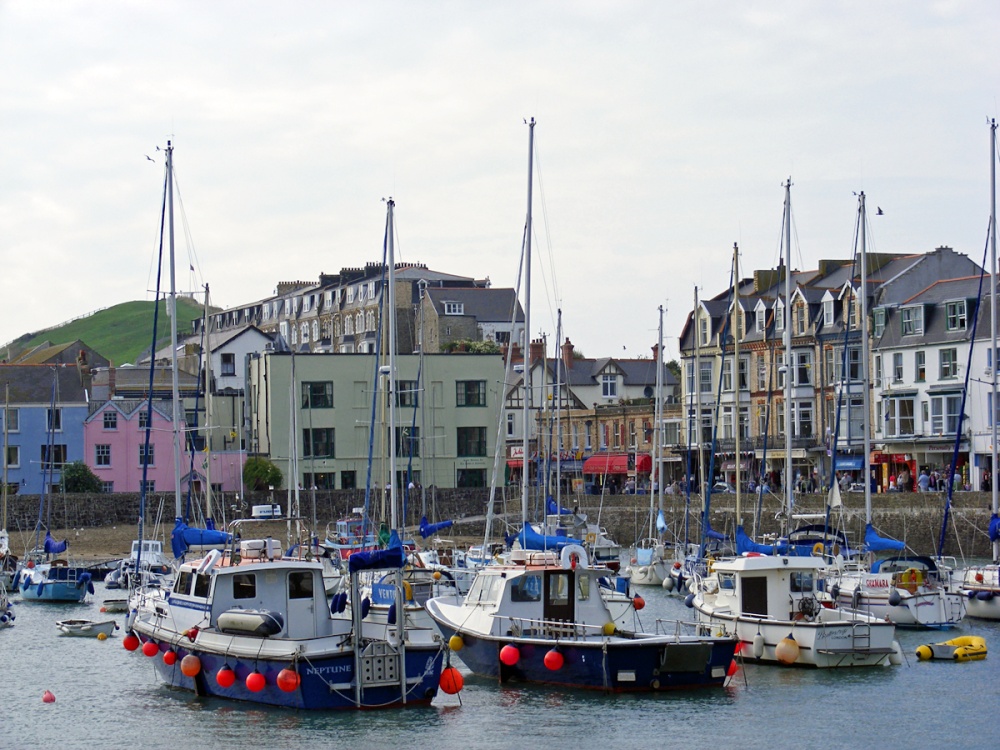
(963, 648)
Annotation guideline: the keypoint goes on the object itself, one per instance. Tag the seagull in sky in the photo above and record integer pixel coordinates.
(879, 211)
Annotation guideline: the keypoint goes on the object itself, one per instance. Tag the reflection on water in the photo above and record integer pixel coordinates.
(109, 698)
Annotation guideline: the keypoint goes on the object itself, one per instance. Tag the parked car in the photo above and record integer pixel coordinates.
(723, 487)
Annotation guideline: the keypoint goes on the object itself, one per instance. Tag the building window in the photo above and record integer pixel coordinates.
(827, 313)
(108, 488)
(148, 486)
(454, 308)
(727, 375)
(317, 395)
(948, 359)
(800, 319)
(727, 423)
(920, 366)
(111, 420)
(407, 393)
(803, 368)
(912, 321)
(147, 455)
(761, 319)
(944, 414)
(689, 371)
(779, 317)
(348, 480)
(143, 418)
(408, 442)
(803, 416)
(852, 313)
(317, 442)
(742, 375)
(703, 329)
(370, 320)
(228, 364)
(854, 363)
(58, 457)
(359, 322)
(877, 375)
(704, 378)
(13, 456)
(510, 425)
(879, 317)
(899, 417)
(897, 367)
(13, 420)
(54, 420)
(371, 290)
(761, 373)
(955, 317)
(828, 364)
(470, 393)
(350, 294)
(609, 385)
(102, 455)
(304, 333)
(324, 480)
(471, 478)
(471, 441)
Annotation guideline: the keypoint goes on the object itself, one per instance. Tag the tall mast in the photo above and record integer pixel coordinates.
(4, 540)
(866, 396)
(737, 332)
(172, 311)
(391, 391)
(789, 477)
(993, 324)
(421, 392)
(525, 410)
(558, 364)
(658, 422)
(208, 411)
(699, 433)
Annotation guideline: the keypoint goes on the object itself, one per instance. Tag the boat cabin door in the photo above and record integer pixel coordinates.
(300, 611)
(559, 604)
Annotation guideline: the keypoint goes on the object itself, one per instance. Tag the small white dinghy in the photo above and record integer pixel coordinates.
(115, 605)
(87, 628)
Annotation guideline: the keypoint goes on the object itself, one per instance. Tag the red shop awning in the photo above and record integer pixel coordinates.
(617, 463)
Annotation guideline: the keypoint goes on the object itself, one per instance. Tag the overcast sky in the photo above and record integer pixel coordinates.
(665, 130)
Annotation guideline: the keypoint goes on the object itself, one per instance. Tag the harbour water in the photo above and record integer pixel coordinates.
(107, 697)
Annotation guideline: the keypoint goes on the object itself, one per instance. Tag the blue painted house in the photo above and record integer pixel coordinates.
(46, 395)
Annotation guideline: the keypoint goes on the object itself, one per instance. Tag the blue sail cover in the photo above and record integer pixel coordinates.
(377, 559)
(531, 539)
(184, 536)
(876, 543)
(745, 544)
(711, 533)
(52, 547)
(553, 509)
(994, 528)
(426, 529)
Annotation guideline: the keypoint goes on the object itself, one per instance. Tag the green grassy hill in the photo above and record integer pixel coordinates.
(121, 333)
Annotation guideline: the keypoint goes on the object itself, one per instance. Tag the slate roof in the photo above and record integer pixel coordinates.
(492, 305)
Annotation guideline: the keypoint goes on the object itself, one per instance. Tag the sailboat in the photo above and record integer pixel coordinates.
(772, 599)
(906, 590)
(540, 615)
(44, 577)
(650, 561)
(981, 583)
(249, 623)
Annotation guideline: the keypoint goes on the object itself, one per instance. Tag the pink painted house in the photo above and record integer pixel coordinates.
(114, 440)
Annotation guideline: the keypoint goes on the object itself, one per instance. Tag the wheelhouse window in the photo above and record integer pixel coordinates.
(527, 589)
(182, 584)
(245, 586)
(202, 583)
(300, 585)
(801, 581)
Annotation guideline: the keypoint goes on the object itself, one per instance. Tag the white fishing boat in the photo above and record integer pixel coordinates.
(775, 607)
(87, 628)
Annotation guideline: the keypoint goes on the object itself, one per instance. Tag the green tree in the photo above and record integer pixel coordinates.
(77, 477)
(260, 474)
(674, 367)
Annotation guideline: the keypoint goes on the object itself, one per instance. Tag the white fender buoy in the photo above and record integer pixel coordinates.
(668, 583)
(758, 646)
(896, 657)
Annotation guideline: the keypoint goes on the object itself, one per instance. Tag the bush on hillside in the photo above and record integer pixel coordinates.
(260, 474)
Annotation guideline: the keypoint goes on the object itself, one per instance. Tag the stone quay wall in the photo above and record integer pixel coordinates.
(913, 517)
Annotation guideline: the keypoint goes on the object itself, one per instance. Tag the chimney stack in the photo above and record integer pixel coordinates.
(536, 351)
(567, 354)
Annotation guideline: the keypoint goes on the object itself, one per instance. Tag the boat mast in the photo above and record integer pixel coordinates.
(391, 389)
(788, 349)
(866, 396)
(696, 388)
(4, 539)
(993, 326)
(557, 390)
(208, 412)
(737, 332)
(172, 311)
(658, 423)
(525, 410)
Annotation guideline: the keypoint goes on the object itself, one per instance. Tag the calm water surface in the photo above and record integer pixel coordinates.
(107, 697)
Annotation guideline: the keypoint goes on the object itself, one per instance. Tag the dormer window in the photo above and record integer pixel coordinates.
(371, 290)
(761, 319)
(827, 313)
(307, 303)
(912, 321)
(779, 317)
(879, 316)
(800, 319)
(454, 308)
(327, 299)
(350, 294)
(362, 293)
(956, 315)
(609, 385)
(704, 330)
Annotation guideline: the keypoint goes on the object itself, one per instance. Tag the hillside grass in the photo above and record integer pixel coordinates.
(121, 333)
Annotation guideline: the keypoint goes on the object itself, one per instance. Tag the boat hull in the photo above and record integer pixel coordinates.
(326, 682)
(86, 628)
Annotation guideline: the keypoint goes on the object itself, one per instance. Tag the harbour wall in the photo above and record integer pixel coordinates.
(913, 517)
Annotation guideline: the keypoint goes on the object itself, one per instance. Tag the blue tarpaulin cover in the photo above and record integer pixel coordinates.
(377, 559)
(53, 547)
(994, 527)
(184, 536)
(745, 544)
(876, 543)
(531, 539)
(426, 529)
(553, 509)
